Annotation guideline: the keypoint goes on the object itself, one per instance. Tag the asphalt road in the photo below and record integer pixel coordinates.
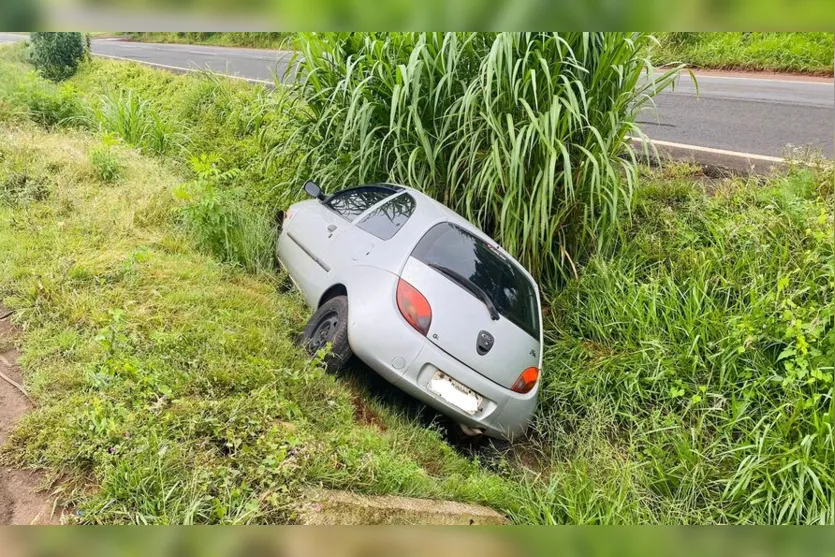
(753, 115)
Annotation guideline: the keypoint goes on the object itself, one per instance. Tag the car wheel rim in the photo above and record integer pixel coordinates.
(325, 331)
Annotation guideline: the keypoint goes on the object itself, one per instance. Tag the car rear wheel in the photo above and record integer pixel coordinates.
(329, 325)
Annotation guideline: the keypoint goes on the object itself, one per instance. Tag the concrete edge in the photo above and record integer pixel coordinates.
(320, 506)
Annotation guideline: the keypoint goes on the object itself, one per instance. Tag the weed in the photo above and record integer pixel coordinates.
(222, 222)
(135, 121)
(105, 161)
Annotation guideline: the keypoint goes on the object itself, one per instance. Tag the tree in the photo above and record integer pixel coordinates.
(56, 55)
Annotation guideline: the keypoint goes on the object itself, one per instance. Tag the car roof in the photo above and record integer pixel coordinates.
(430, 208)
(434, 211)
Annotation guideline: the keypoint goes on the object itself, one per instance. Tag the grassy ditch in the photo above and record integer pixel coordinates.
(169, 389)
(805, 53)
(688, 374)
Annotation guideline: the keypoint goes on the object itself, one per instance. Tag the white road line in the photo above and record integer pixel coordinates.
(698, 148)
(180, 68)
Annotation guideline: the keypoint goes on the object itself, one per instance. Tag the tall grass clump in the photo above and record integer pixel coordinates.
(136, 121)
(526, 134)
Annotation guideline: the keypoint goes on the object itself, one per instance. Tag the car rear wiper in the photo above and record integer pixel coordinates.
(469, 285)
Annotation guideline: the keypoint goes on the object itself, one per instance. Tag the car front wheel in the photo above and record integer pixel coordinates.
(329, 325)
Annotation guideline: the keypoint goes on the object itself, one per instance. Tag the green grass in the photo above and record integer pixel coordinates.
(170, 380)
(104, 159)
(687, 378)
(705, 348)
(808, 53)
(278, 40)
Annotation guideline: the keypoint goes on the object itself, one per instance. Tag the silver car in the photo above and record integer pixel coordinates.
(422, 297)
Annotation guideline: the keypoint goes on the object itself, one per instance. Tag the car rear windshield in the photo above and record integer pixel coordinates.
(510, 290)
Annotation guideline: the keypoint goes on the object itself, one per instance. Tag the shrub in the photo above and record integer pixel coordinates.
(50, 105)
(56, 55)
(105, 161)
(522, 133)
(222, 222)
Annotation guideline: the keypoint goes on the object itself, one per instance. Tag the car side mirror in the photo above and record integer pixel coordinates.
(312, 189)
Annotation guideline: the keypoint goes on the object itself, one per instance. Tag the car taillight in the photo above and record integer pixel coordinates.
(526, 380)
(414, 307)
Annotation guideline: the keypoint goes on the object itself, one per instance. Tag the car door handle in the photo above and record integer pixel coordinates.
(331, 228)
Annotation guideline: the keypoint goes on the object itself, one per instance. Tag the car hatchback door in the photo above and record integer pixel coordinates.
(485, 311)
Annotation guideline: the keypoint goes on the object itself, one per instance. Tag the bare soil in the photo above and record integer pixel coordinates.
(364, 414)
(21, 498)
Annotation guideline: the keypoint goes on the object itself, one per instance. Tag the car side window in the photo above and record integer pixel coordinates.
(384, 221)
(351, 203)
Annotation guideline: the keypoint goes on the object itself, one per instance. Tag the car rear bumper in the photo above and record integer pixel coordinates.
(502, 412)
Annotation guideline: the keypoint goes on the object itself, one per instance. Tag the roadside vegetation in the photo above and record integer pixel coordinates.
(688, 371)
(278, 40)
(805, 53)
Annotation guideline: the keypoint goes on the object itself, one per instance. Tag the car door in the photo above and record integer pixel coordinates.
(326, 234)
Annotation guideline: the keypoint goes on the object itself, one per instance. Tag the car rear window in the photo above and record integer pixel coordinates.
(510, 290)
(353, 202)
(384, 221)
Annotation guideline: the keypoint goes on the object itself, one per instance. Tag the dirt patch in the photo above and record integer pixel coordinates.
(21, 500)
(365, 415)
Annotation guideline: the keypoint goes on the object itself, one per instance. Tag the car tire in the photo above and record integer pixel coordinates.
(329, 324)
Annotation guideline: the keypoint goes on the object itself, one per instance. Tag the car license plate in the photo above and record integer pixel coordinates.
(455, 393)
